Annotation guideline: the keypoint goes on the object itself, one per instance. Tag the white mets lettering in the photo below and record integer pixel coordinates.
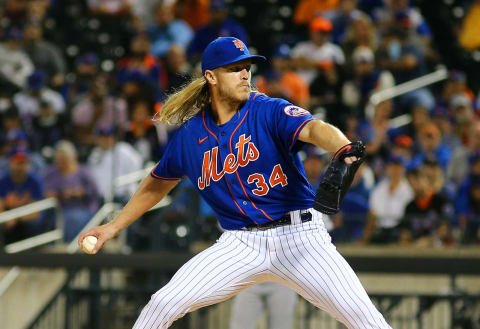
(246, 152)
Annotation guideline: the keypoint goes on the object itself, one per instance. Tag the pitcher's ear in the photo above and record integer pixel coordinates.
(211, 77)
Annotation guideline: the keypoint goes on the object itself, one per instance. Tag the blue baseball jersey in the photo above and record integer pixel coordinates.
(248, 169)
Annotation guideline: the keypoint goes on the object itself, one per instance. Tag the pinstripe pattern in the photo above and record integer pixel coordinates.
(299, 255)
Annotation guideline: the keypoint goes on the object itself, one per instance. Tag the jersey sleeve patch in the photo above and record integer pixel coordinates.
(295, 111)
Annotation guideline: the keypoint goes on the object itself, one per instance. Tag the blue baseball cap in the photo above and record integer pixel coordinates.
(224, 51)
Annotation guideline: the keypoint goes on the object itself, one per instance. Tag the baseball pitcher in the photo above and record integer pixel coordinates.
(239, 148)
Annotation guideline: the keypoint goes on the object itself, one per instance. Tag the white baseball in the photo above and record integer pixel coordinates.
(89, 243)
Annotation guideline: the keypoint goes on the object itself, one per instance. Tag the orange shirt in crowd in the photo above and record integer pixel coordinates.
(296, 89)
(469, 34)
(194, 12)
(309, 9)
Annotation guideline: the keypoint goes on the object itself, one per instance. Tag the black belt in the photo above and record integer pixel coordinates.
(285, 220)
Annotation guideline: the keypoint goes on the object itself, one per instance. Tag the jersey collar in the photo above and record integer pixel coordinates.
(210, 123)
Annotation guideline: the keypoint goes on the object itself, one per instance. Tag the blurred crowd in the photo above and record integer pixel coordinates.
(80, 81)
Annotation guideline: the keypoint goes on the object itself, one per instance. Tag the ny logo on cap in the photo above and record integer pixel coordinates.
(239, 45)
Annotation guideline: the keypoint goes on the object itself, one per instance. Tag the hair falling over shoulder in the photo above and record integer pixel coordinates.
(184, 103)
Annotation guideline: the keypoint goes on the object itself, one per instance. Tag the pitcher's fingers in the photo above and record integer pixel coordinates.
(350, 160)
(84, 235)
(80, 239)
(100, 242)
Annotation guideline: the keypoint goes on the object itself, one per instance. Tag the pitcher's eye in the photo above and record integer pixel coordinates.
(240, 68)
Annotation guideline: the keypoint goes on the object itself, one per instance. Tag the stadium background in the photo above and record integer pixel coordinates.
(79, 81)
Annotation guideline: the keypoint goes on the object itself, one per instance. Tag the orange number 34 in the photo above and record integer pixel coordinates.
(276, 177)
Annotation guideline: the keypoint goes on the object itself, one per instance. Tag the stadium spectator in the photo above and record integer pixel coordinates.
(270, 83)
(387, 204)
(49, 126)
(399, 13)
(406, 62)
(435, 175)
(284, 79)
(403, 146)
(459, 166)
(429, 141)
(142, 134)
(461, 108)
(141, 67)
(86, 69)
(319, 62)
(366, 79)
(11, 121)
(98, 109)
(16, 138)
(29, 101)
(177, 67)
(19, 187)
(314, 164)
(420, 117)
(44, 55)
(74, 187)
(167, 30)
(144, 13)
(428, 211)
(445, 122)
(342, 17)
(375, 134)
(15, 65)
(318, 53)
(110, 159)
(220, 25)
(456, 84)
(360, 32)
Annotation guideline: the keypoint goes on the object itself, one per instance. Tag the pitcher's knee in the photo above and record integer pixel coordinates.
(162, 310)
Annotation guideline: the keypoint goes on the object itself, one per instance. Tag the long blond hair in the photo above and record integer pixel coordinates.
(185, 103)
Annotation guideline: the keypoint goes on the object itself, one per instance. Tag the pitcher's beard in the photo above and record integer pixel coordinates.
(234, 102)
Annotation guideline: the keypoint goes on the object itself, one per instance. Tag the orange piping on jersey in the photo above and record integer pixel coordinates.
(238, 176)
(165, 178)
(226, 181)
(205, 125)
(296, 131)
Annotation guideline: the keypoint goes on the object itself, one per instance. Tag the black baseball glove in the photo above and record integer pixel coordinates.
(337, 178)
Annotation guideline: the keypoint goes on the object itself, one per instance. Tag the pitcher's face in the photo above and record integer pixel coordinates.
(234, 81)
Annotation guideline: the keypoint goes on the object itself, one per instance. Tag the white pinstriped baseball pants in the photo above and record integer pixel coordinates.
(299, 255)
